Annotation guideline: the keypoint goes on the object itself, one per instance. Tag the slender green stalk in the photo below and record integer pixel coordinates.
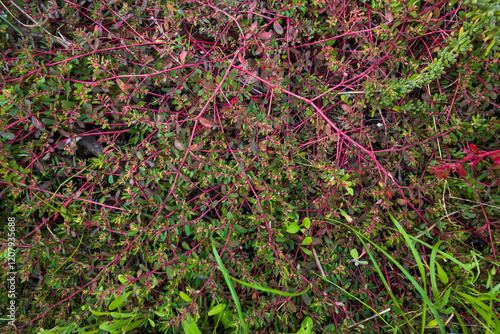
(227, 278)
(352, 296)
(261, 288)
(417, 286)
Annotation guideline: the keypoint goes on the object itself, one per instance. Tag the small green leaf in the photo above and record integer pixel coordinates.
(240, 229)
(190, 326)
(48, 121)
(432, 324)
(442, 274)
(68, 105)
(117, 302)
(110, 178)
(113, 325)
(185, 297)
(306, 222)
(306, 326)
(307, 241)
(122, 279)
(152, 323)
(7, 135)
(354, 254)
(98, 313)
(293, 228)
(170, 273)
(346, 216)
(307, 251)
(122, 315)
(217, 309)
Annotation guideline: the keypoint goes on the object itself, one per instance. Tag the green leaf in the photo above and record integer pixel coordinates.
(307, 241)
(48, 121)
(133, 325)
(110, 178)
(68, 105)
(442, 274)
(489, 47)
(217, 309)
(225, 317)
(306, 222)
(261, 288)
(185, 297)
(122, 315)
(240, 229)
(306, 326)
(346, 216)
(7, 135)
(190, 326)
(98, 313)
(227, 278)
(432, 323)
(293, 228)
(307, 251)
(117, 302)
(113, 325)
(122, 279)
(354, 254)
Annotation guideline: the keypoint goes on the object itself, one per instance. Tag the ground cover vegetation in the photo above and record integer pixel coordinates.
(250, 166)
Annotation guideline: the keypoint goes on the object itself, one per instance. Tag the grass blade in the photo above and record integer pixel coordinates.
(417, 286)
(229, 283)
(261, 288)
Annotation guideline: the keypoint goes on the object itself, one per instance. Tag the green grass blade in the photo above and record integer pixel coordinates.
(414, 251)
(432, 268)
(417, 286)
(381, 275)
(261, 288)
(444, 255)
(351, 295)
(229, 283)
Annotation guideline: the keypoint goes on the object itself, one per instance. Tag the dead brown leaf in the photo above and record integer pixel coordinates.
(266, 35)
(180, 146)
(277, 27)
(196, 147)
(206, 122)
(346, 108)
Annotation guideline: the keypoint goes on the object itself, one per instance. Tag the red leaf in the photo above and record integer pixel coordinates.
(461, 171)
(183, 57)
(277, 27)
(496, 158)
(206, 122)
(265, 35)
(346, 108)
(196, 147)
(242, 60)
(233, 101)
(37, 123)
(180, 146)
(474, 148)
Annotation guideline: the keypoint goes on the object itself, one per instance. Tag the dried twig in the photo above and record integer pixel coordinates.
(61, 40)
(370, 318)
